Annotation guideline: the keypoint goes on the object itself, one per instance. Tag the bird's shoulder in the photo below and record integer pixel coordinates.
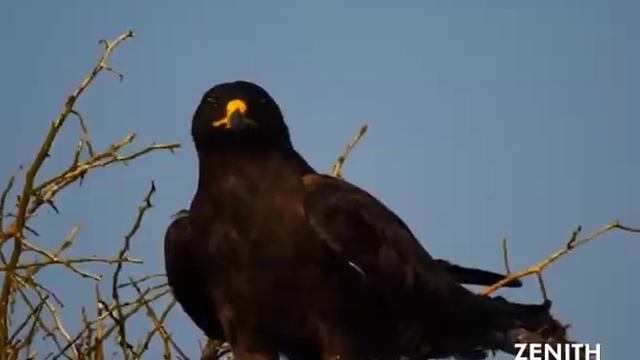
(178, 233)
(363, 231)
(324, 193)
(186, 245)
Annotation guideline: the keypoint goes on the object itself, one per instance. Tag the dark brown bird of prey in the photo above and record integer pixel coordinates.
(276, 258)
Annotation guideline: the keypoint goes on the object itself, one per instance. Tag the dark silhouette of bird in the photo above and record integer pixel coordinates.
(180, 266)
(276, 258)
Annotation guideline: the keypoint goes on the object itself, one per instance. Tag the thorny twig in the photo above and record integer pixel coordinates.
(158, 327)
(133, 308)
(146, 205)
(15, 230)
(19, 276)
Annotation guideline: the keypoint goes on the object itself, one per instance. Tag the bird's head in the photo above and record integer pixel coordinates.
(238, 114)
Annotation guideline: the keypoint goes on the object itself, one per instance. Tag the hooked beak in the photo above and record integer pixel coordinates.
(236, 118)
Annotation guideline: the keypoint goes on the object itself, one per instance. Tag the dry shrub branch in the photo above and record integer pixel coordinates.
(30, 311)
(573, 243)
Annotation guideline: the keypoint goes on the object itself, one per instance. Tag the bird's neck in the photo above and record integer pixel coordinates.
(245, 166)
(215, 163)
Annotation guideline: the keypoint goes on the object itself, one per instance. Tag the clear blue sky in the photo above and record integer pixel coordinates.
(515, 119)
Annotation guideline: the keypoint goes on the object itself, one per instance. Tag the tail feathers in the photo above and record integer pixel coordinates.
(529, 316)
(527, 324)
(495, 324)
(472, 276)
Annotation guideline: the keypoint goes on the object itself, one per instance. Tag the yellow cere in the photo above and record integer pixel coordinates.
(232, 106)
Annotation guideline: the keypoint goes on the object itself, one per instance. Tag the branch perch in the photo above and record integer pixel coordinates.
(573, 243)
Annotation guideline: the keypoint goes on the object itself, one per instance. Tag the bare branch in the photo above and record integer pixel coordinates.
(85, 133)
(3, 200)
(505, 256)
(146, 205)
(30, 177)
(158, 327)
(337, 167)
(572, 244)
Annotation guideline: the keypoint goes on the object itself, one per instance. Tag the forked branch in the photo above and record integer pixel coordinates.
(573, 243)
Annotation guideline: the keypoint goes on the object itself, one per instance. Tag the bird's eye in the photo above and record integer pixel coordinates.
(213, 101)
